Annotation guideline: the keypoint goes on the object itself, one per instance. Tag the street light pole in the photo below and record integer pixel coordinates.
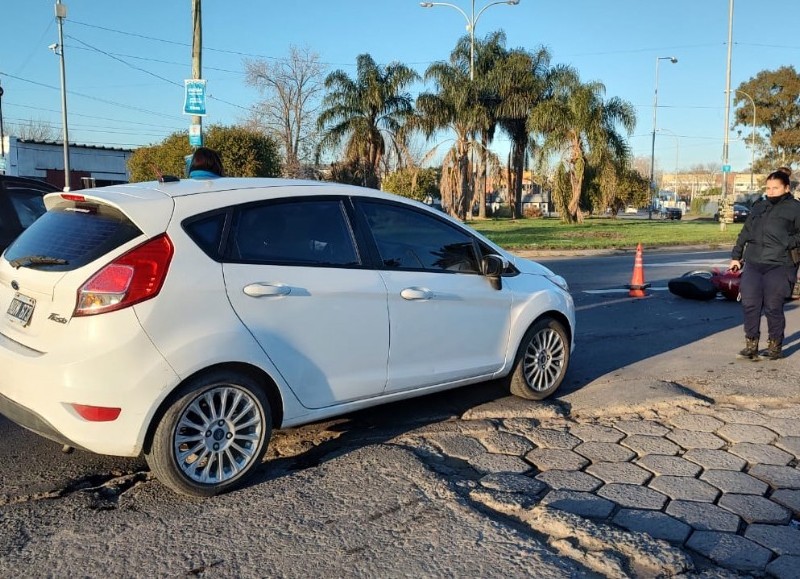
(752, 140)
(472, 20)
(61, 13)
(724, 210)
(653, 188)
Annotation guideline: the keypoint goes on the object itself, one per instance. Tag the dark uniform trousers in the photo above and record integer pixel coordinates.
(766, 287)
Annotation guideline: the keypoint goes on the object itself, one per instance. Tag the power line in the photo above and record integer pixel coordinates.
(140, 69)
(210, 97)
(181, 64)
(85, 128)
(104, 101)
(210, 49)
(174, 42)
(88, 116)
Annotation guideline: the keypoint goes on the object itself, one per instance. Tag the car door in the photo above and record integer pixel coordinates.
(447, 322)
(295, 278)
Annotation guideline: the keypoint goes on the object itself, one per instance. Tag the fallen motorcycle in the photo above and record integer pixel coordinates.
(707, 284)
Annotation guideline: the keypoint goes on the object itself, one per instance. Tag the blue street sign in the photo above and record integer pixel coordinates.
(195, 98)
(195, 136)
(726, 168)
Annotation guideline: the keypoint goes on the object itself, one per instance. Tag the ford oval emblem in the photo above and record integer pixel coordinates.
(14, 285)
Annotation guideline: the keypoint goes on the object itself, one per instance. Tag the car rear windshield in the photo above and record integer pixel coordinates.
(68, 238)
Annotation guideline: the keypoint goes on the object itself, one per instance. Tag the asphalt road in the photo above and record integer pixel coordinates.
(344, 498)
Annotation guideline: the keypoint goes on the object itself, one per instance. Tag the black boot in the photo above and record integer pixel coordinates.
(774, 348)
(750, 351)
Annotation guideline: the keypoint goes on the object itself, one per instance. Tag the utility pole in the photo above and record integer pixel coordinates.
(2, 134)
(61, 13)
(724, 210)
(197, 54)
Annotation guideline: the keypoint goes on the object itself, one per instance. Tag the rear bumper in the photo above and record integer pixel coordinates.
(32, 421)
(109, 363)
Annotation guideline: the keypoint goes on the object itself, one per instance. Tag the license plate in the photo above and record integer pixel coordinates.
(21, 309)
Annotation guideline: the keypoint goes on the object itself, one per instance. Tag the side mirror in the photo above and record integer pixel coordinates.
(492, 267)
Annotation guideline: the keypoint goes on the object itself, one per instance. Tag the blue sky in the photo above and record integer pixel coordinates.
(126, 61)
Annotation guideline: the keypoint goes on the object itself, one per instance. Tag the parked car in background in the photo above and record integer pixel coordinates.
(740, 213)
(20, 205)
(672, 213)
(185, 320)
(631, 209)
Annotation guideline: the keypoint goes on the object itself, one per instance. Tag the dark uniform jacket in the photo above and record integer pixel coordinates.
(771, 230)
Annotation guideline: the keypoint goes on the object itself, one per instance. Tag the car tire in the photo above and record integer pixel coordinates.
(213, 436)
(541, 362)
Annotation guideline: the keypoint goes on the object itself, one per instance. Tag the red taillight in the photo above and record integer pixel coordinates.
(131, 278)
(97, 413)
(72, 197)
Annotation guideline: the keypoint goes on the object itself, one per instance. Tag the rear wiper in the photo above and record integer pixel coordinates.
(30, 260)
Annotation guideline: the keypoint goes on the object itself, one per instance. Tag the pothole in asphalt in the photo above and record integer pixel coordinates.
(105, 489)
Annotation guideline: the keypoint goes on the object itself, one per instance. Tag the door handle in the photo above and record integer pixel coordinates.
(416, 293)
(257, 290)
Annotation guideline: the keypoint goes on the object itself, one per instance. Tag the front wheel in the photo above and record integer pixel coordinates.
(541, 361)
(213, 436)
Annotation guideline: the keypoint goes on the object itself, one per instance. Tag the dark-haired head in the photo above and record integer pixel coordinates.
(205, 159)
(779, 176)
(785, 169)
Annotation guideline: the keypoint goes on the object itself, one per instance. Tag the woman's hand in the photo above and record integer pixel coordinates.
(735, 265)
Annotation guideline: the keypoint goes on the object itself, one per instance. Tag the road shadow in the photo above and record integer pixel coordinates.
(312, 445)
(616, 333)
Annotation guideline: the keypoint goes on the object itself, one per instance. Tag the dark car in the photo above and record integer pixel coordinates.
(20, 205)
(672, 213)
(740, 212)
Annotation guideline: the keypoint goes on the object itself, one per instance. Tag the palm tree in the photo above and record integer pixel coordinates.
(367, 111)
(452, 107)
(466, 108)
(489, 53)
(522, 80)
(580, 126)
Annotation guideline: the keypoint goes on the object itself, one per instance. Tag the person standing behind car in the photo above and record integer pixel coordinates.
(769, 234)
(206, 164)
(796, 289)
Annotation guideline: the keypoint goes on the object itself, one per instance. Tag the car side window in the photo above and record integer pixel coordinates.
(28, 206)
(207, 232)
(410, 239)
(296, 232)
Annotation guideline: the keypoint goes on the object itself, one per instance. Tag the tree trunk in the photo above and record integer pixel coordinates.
(483, 181)
(576, 182)
(463, 198)
(518, 162)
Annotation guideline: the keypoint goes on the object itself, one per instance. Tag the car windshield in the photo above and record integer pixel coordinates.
(70, 238)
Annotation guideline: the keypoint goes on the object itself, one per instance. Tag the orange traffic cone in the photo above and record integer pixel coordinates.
(637, 285)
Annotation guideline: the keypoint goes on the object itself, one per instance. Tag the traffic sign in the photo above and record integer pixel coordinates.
(726, 168)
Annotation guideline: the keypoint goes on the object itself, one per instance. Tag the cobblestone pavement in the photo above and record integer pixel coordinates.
(677, 490)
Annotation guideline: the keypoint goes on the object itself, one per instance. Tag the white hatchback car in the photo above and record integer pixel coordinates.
(186, 319)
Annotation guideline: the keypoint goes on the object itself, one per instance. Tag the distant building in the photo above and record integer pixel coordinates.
(90, 166)
(691, 184)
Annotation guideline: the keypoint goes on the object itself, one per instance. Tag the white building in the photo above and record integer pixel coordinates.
(90, 166)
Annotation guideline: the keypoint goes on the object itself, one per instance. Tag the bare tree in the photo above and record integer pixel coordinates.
(706, 176)
(291, 88)
(33, 130)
